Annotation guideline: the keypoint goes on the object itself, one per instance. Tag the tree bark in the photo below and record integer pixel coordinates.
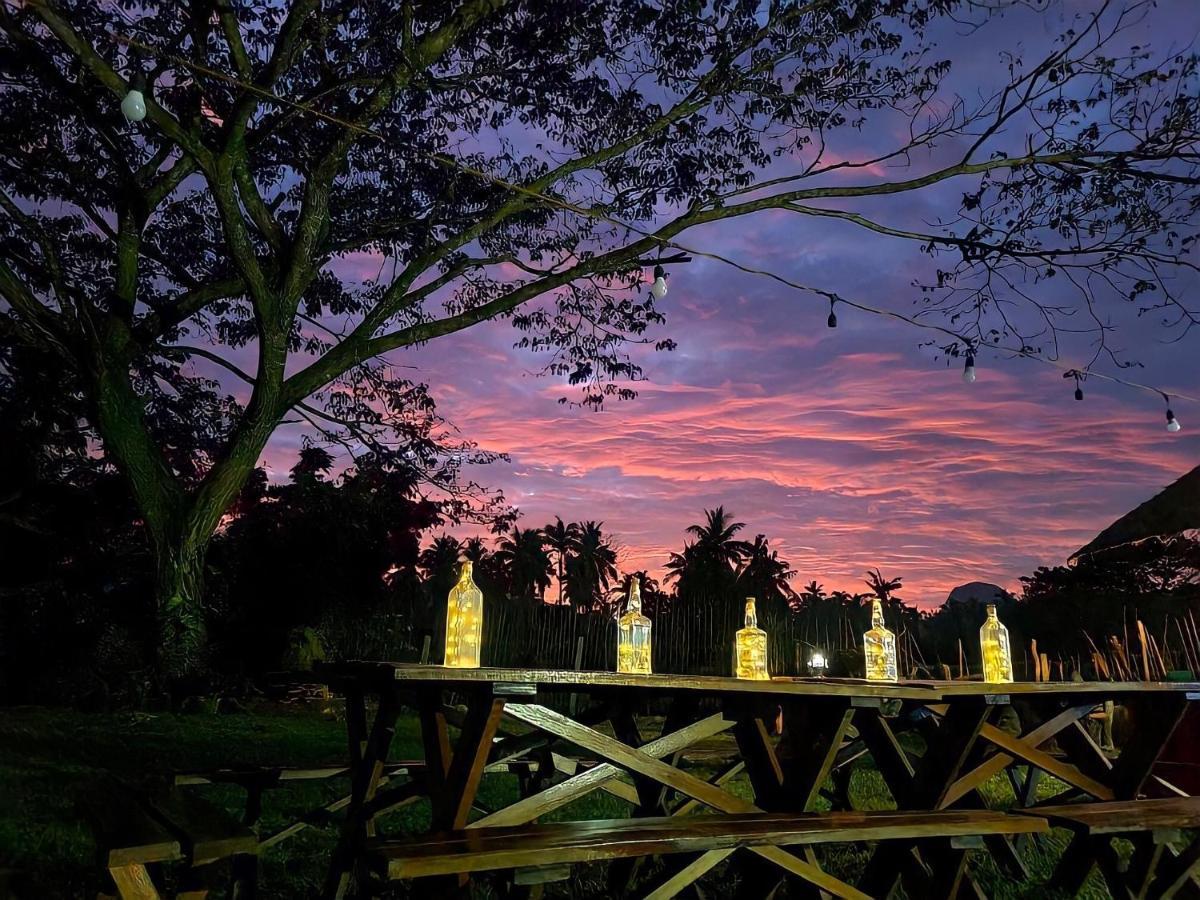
(179, 595)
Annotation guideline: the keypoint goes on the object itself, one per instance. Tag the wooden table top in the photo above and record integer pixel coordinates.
(377, 672)
(1026, 688)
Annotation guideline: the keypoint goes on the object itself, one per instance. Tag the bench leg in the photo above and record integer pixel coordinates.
(133, 882)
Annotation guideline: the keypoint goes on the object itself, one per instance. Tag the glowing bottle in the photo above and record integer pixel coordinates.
(997, 655)
(751, 644)
(633, 635)
(464, 621)
(879, 648)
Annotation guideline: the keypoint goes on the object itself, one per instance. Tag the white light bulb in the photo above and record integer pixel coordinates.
(1172, 422)
(134, 106)
(818, 661)
(969, 369)
(659, 288)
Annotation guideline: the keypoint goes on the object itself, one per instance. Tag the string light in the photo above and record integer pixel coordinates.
(968, 374)
(659, 287)
(1076, 374)
(1172, 422)
(134, 105)
(832, 320)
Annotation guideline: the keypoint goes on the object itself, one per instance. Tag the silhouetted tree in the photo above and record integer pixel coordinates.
(591, 568)
(561, 539)
(522, 556)
(220, 217)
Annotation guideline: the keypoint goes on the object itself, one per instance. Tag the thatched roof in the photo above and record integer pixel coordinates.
(1174, 509)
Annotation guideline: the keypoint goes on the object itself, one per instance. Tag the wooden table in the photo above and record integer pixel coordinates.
(829, 724)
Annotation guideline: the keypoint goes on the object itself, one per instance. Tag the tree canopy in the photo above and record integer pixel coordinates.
(318, 185)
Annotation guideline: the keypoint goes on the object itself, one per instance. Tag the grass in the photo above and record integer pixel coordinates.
(48, 758)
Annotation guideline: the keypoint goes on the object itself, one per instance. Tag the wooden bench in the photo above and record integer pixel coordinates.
(1157, 869)
(477, 850)
(135, 830)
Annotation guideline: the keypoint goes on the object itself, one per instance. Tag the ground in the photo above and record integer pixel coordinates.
(49, 757)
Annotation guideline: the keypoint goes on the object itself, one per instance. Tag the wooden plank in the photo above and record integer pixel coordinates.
(813, 734)
(1065, 689)
(639, 762)
(890, 758)
(631, 759)
(126, 833)
(616, 788)
(470, 757)
(1176, 873)
(530, 808)
(1123, 816)
(1047, 763)
(730, 772)
(206, 832)
(378, 673)
(573, 842)
(368, 774)
(687, 874)
(1000, 761)
(133, 882)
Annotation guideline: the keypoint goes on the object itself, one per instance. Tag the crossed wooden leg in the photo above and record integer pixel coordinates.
(922, 787)
(640, 763)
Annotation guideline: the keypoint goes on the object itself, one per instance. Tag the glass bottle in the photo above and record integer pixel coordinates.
(997, 655)
(751, 643)
(464, 621)
(633, 635)
(879, 648)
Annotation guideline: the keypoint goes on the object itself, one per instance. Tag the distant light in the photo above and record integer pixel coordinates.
(658, 289)
(1172, 422)
(1078, 393)
(832, 320)
(816, 662)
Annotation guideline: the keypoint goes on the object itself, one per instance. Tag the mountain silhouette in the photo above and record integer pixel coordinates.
(981, 591)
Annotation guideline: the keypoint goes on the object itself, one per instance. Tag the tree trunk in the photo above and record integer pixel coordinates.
(179, 593)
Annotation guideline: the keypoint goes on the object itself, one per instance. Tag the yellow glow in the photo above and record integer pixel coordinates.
(997, 654)
(464, 622)
(879, 648)
(751, 644)
(633, 635)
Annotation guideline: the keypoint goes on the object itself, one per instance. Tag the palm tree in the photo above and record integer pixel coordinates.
(882, 587)
(592, 568)
(765, 576)
(475, 550)
(716, 544)
(440, 560)
(562, 539)
(706, 571)
(523, 558)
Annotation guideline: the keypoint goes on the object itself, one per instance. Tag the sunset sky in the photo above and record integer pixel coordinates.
(849, 448)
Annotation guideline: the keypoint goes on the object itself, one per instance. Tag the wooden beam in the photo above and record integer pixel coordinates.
(688, 874)
(1000, 761)
(470, 758)
(636, 761)
(1047, 763)
(133, 882)
(530, 808)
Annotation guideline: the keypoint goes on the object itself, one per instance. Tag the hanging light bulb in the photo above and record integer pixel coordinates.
(1078, 392)
(1172, 422)
(658, 288)
(969, 369)
(832, 320)
(134, 105)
